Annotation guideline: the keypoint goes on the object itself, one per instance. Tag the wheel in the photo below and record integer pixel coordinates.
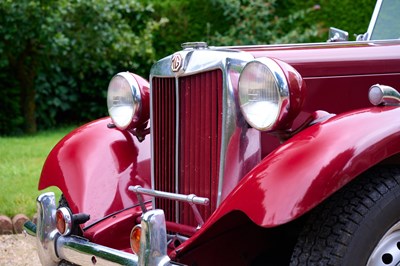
(359, 225)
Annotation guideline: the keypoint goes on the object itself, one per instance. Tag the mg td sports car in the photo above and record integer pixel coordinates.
(247, 155)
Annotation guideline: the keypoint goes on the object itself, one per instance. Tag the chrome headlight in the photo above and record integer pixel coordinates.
(124, 100)
(271, 93)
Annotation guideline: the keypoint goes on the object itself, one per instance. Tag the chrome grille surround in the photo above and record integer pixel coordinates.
(230, 63)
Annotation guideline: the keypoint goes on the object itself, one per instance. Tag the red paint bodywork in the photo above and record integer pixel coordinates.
(310, 167)
(332, 160)
(94, 165)
(338, 76)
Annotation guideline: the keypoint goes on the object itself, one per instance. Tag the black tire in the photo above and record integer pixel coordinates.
(358, 221)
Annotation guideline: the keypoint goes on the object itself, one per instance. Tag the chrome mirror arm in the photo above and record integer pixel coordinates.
(383, 95)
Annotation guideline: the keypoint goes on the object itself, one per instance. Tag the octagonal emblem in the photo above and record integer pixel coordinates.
(176, 62)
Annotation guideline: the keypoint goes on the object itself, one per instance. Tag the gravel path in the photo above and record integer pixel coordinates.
(16, 250)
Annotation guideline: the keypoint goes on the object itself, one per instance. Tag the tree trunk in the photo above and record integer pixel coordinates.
(25, 67)
(28, 105)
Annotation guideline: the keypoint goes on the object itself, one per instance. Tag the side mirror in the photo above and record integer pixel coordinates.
(337, 35)
(383, 95)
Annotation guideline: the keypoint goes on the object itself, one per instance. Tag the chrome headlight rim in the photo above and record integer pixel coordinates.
(283, 93)
(136, 99)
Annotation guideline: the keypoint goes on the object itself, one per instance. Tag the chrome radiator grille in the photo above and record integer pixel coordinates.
(187, 138)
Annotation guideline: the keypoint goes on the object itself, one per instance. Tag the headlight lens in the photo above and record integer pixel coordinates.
(123, 100)
(263, 93)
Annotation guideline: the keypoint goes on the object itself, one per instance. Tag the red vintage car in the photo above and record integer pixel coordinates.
(250, 155)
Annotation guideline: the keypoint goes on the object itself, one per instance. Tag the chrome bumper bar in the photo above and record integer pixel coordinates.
(53, 247)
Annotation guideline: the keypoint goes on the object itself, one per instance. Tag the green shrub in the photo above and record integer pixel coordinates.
(186, 21)
(11, 120)
(71, 49)
(60, 56)
(259, 22)
(349, 15)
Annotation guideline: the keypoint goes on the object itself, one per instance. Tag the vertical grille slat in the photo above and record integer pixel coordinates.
(164, 111)
(207, 135)
(202, 173)
(199, 140)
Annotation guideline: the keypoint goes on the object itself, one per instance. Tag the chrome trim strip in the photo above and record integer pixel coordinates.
(191, 199)
(46, 229)
(231, 63)
(233, 122)
(227, 130)
(153, 202)
(254, 48)
(82, 252)
(153, 240)
(177, 124)
(52, 247)
(373, 19)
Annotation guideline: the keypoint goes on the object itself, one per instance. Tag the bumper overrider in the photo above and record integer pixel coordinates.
(53, 247)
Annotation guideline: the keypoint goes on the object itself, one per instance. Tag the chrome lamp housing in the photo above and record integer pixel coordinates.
(271, 94)
(128, 100)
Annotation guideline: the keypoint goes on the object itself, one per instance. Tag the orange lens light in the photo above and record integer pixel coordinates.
(135, 238)
(60, 222)
(64, 221)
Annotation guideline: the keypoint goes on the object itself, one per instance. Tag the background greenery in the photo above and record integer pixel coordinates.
(57, 57)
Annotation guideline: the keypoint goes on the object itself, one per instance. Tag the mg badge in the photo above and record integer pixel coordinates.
(176, 62)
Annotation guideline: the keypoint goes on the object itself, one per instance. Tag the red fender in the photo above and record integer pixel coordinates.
(314, 164)
(94, 165)
(310, 167)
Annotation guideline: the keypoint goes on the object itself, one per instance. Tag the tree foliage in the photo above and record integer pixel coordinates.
(57, 57)
(186, 21)
(259, 22)
(350, 15)
(62, 53)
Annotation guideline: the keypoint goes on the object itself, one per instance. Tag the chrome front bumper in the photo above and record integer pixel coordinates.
(53, 247)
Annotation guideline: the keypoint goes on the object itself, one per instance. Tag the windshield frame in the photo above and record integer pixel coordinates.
(372, 22)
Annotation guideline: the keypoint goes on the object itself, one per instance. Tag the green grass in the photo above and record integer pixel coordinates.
(21, 161)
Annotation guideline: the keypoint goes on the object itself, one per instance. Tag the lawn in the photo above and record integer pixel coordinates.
(21, 161)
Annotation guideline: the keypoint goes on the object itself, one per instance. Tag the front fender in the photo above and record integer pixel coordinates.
(314, 164)
(94, 165)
